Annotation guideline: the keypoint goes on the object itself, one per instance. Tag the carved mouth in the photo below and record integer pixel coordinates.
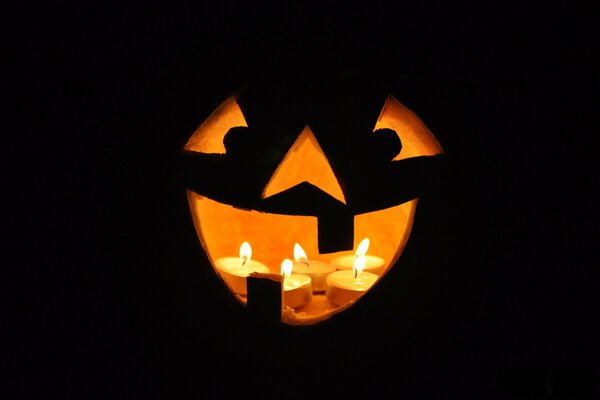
(272, 237)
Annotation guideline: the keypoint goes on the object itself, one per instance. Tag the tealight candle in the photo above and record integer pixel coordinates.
(317, 270)
(346, 286)
(235, 270)
(373, 264)
(297, 288)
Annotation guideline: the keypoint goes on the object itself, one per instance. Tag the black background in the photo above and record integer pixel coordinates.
(108, 291)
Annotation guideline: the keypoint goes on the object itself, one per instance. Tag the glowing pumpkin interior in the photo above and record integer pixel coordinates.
(222, 228)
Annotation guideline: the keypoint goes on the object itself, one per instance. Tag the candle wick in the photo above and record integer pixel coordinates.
(355, 273)
(305, 261)
(245, 258)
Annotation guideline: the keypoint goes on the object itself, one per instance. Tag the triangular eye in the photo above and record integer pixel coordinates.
(305, 162)
(417, 140)
(208, 138)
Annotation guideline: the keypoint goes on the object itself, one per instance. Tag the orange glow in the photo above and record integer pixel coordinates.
(305, 162)
(208, 138)
(218, 225)
(417, 139)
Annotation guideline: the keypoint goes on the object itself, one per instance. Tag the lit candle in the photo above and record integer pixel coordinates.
(235, 270)
(297, 288)
(317, 270)
(373, 264)
(346, 286)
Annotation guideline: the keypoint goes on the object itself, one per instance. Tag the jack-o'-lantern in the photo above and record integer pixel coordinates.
(312, 187)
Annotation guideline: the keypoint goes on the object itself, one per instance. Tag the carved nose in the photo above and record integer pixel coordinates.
(305, 162)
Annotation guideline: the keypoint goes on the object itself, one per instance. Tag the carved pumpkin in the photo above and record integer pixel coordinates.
(283, 169)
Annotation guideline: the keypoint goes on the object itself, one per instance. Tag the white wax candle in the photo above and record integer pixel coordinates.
(373, 264)
(235, 270)
(343, 287)
(297, 288)
(235, 274)
(317, 270)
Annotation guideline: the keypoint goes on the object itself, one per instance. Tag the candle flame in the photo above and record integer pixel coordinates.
(245, 252)
(362, 248)
(359, 265)
(299, 253)
(286, 267)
